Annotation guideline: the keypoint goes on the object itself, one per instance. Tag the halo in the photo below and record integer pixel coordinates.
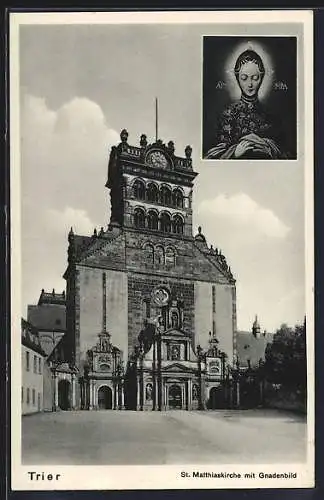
(229, 76)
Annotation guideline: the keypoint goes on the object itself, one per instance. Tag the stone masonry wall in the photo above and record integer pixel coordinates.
(140, 288)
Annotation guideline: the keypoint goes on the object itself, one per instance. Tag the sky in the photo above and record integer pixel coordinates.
(79, 87)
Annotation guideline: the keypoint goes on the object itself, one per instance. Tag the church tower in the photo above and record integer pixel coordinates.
(154, 269)
(151, 187)
(256, 329)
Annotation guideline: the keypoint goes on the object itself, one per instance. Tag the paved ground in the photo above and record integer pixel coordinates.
(174, 437)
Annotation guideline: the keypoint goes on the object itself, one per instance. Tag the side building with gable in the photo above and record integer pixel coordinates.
(33, 361)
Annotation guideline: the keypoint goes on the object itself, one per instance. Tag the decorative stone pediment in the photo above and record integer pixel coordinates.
(214, 366)
(175, 333)
(103, 357)
(178, 367)
(66, 367)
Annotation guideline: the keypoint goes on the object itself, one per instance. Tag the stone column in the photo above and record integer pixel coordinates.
(53, 391)
(138, 393)
(142, 387)
(91, 395)
(203, 393)
(190, 394)
(73, 391)
(82, 395)
(94, 399)
(87, 394)
(56, 402)
(115, 395)
(122, 402)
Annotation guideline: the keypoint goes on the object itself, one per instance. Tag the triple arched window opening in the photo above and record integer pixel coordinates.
(151, 193)
(159, 255)
(158, 222)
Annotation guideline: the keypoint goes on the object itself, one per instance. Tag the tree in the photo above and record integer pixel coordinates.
(285, 357)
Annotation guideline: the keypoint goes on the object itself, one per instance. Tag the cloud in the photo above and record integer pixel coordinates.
(64, 158)
(66, 153)
(243, 210)
(262, 253)
(62, 221)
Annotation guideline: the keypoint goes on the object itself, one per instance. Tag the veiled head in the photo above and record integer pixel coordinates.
(249, 72)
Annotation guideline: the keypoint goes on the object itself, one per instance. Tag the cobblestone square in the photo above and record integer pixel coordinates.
(157, 438)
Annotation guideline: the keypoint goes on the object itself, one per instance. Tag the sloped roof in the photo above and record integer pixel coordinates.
(95, 242)
(61, 351)
(30, 337)
(48, 317)
(251, 348)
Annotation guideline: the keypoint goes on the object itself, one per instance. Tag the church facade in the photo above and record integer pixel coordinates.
(150, 308)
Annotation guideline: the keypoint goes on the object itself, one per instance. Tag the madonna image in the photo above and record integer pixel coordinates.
(248, 114)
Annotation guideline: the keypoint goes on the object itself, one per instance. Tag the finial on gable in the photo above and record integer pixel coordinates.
(124, 135)
(188, 151)
(143, 141)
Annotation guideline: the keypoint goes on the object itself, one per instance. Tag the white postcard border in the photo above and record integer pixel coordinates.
(154, 477)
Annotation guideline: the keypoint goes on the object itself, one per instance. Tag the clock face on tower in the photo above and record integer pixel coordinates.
(157, 159)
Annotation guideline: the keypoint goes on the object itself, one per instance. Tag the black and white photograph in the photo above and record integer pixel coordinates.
(162, 307)
(249, 98)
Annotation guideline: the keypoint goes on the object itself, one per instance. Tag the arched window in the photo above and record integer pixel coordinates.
(175, 352)
(159, 255)
(139, 190)
(177, 198)
(165, 223)
(148, 392)
(170, 256)
(152, 220)
(139, 218)
(177, 224)
(174, 319)
(149, 254)
(165, 195)
(152, 193)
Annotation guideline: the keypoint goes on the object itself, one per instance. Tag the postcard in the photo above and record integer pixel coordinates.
(161, 180)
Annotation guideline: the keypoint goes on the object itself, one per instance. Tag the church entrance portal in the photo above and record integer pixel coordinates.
(175, 397)
(216, 398)
(105, 398)
(64, 394)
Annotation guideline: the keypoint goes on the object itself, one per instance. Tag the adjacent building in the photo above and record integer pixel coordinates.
(48, 316)
(251, 346)
(32, 369)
